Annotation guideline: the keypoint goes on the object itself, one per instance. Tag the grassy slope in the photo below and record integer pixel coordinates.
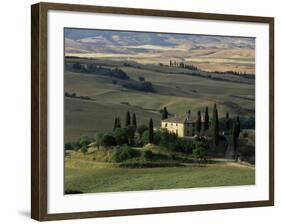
(84, 117)
(177, 92)
(88, 176)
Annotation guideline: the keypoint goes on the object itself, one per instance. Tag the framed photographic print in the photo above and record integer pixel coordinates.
(138, 111)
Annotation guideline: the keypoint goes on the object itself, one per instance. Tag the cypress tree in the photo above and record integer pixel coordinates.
(118, 122)
(128, 119)
(134, 120)
(227, 121)
(198, 122)
(164, 113)
(115, 123)
(151, 132)
(215, 124)
(235, 136)
(206, 120)
(238, 126)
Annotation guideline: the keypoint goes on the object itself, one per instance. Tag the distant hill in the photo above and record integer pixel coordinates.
(212, 53)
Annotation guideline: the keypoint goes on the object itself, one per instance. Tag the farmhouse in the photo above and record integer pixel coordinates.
(183, 125)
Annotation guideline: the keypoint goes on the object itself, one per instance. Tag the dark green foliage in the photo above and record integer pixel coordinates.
(238, 126)
(77, 66)
(183, 145)
(198, 122)
(117, 123)
(130, 132)
(134, 120)
(200, 153)
(91, 68)
(108, 140)
(119, 74)
(139, 86)
(183, 65)
(148, 154)
(151, 131)
(84, 149)
(120, 135)
(247, 122)
(74, 95)
(128, 119)
(247, 153)
(84, 141)
(171, 141)
(164, 138)
(236, 129)
(227, 122)
(200, 150)
(215, 125)
(98, 140)
(125, 152)
(165, 113)
(142, 79)
(145, 137)
(75, 146)
(206, 120)
(235, 135)
(98, 70)
(141, 129)
(67, 146)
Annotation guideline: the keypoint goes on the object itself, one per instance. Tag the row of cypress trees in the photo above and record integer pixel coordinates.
(128, 123)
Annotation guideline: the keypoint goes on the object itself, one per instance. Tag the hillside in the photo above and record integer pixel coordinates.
(178, 92)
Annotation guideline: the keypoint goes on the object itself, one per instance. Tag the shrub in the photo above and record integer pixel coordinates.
(119, 74)
(84, 140)
(166, 139)
(98, 139)
(200, 151)
(75, 146)
(143, 86)
(67, 146)
(120, 136)
(145, 137)
(84, 149)
(125, 152)
(141, 129)
(148, 154)
(108, 140)
(130, 132)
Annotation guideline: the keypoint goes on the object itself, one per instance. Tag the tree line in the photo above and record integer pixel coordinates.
(182, 65)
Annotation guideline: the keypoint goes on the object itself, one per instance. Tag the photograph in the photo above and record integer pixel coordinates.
(152, 111)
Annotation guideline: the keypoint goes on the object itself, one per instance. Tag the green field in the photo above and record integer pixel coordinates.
(87, 176)
(178, 92)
